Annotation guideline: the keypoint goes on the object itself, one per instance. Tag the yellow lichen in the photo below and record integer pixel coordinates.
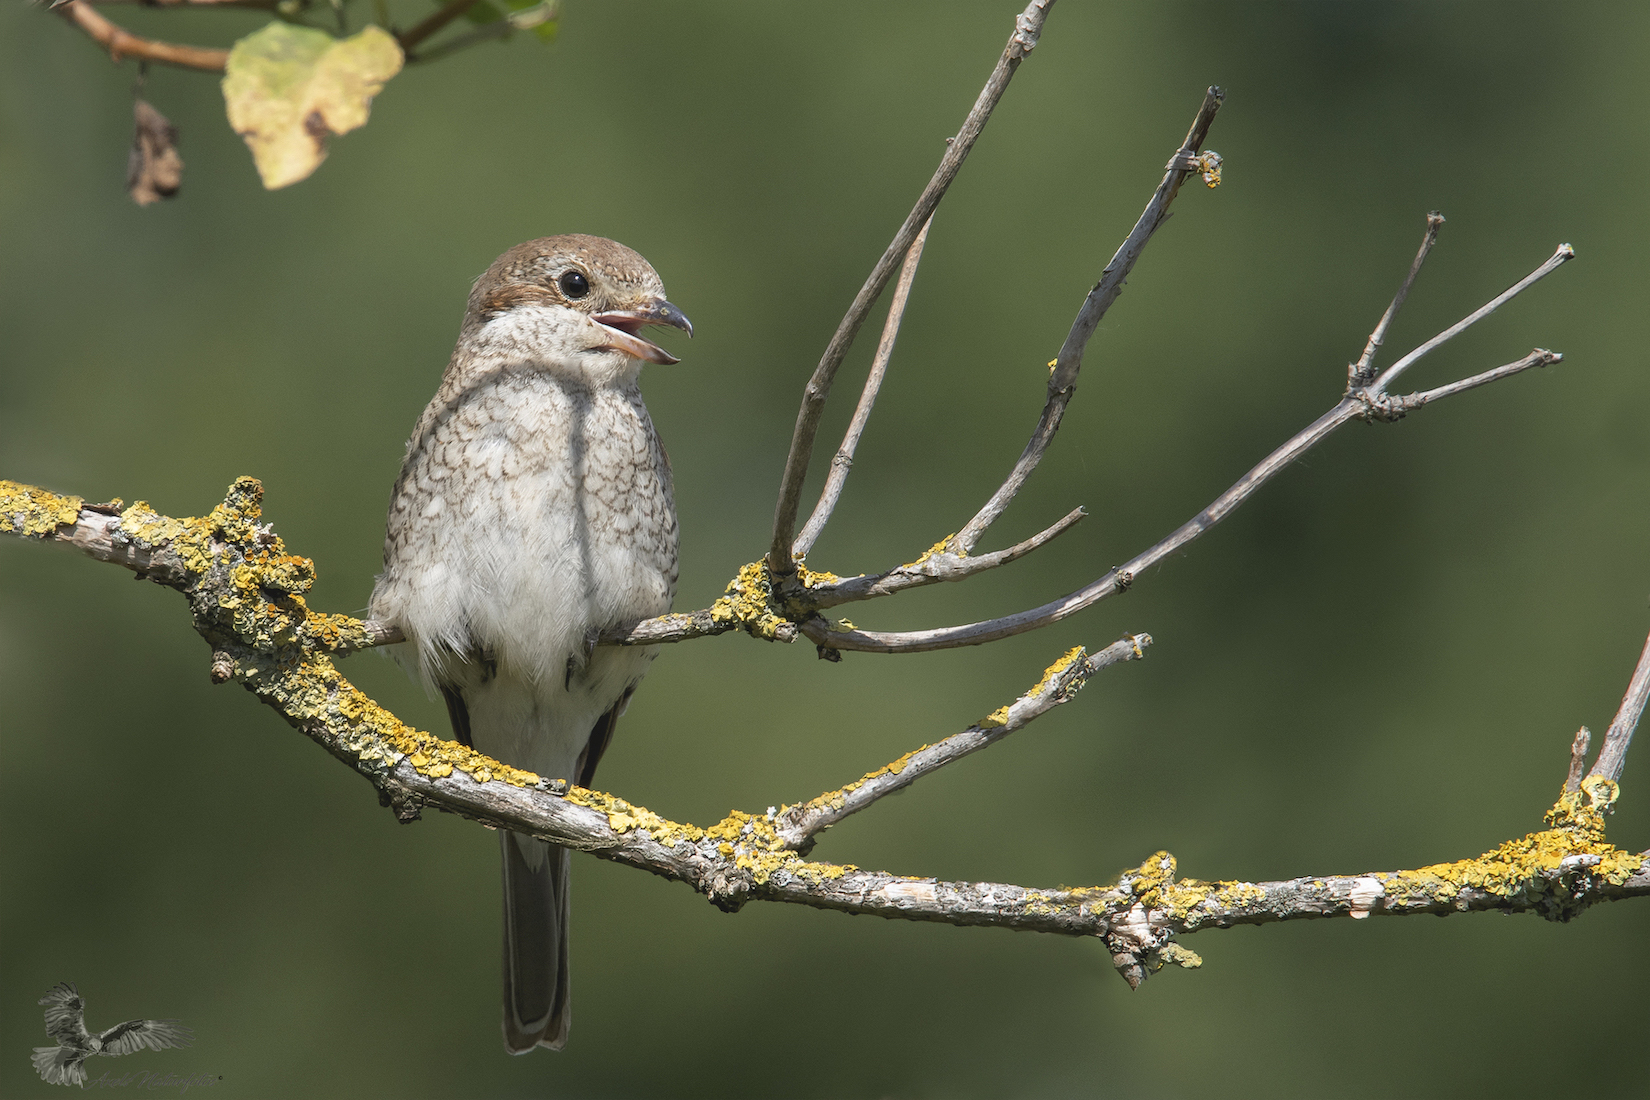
(999, 717)
(749, 603)
(26, 510)
(1154, 886)
(837, 799)
(995, 720)
(1529, 866)
(812, 579)
(1073, 655)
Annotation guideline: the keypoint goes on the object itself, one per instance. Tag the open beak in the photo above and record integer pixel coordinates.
(621, 326)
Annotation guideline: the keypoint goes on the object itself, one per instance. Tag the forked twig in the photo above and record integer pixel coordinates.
(1062, 382)
(1359, 373)
(1561, 256)
(1612, 757)
(843, 460)
(1027, 26)
(1368, 402)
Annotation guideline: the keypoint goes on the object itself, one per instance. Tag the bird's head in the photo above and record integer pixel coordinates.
(575, 300)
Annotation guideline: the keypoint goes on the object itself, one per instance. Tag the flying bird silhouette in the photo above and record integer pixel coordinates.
(64, 1064)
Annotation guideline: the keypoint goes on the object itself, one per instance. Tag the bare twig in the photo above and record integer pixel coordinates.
(1612, 757)
(1027, 26)
(1560, 257)
(1369, 403)
(1359, 373)
(1382, 407)
(939, 563)
(1062, 382)
(433, 22)
(843, 460)
(520, 19)
(122, 44)
(1578, 759)
(265, 5)
(798, 825)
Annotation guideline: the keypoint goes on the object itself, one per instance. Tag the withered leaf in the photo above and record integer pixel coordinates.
(288, 89)
(154, 171)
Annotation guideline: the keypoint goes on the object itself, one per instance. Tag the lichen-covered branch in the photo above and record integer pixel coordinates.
(245, 597)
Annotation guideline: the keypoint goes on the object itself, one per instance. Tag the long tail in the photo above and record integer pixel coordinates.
(536, 1010)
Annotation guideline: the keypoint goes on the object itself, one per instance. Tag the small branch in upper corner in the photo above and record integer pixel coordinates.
(432, 23)
(122, 44)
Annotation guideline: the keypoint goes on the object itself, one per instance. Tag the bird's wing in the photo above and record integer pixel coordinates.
(59, 1065)
(459, 713)
(136, 1035)
(65, 1014)
(601, 736)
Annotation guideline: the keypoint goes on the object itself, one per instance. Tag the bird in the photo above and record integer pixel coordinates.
(64, 1064)
(534, 509)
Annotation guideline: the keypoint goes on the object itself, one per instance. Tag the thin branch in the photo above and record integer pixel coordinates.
(799, 825)
(122, 44)
(1027, 26)
(1362, 371)
(1383, 407)
(1558, 259)
(1062, 382)
(265, 5)
(433, 22)
(1613, 756)
(843, 460)
(939, 563)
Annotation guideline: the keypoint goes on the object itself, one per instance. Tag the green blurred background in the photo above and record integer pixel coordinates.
(1378, 663)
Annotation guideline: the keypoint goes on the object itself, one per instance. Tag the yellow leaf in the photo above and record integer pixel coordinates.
(290, 88)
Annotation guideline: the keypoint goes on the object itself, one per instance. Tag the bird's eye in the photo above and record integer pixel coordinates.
(573, 284)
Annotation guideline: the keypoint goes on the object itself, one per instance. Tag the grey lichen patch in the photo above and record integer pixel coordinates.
(941, 549)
